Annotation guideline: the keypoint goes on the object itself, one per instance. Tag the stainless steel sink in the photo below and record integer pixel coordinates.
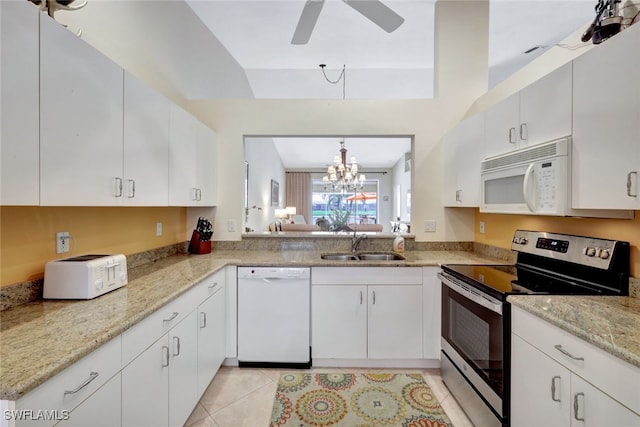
(363, 256)
(380, 256)
(339, 257)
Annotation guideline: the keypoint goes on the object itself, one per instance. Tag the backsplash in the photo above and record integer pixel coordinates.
(24, 292)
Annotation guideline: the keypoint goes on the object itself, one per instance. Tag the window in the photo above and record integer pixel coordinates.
(349, 208)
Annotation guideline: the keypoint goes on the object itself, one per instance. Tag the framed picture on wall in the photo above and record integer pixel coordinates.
(275, 193)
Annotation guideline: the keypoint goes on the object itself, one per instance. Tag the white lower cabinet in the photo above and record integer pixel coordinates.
(546, 390)
(339, 321)
(183, 370)
(101, 409)
(211, 336)
(366, 319)
(74, 387)
(145, 387)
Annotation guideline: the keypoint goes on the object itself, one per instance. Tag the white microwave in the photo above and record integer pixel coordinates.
(534, 180)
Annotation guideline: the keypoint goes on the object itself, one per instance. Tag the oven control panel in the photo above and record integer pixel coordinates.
(589, 251)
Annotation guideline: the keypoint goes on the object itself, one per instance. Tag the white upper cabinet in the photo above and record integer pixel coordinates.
(207, 165)
(20, 180)
(81, 116)
(463, 151)
(146, 145)
(183, 151)
(539, 113)
(501, 125)
(606, 126)
(192, 160)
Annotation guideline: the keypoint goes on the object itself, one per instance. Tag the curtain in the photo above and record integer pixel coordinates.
(298, 193)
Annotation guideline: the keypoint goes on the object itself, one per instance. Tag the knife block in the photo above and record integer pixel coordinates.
(197, 246)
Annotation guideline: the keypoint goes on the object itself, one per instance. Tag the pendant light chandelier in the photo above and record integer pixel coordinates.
(342, 176)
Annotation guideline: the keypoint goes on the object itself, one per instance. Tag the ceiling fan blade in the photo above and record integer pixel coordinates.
(307, 21)
(378, 13)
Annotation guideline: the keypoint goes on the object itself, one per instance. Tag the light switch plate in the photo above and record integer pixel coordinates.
(158, 229)
(430, 225)
(231, 225)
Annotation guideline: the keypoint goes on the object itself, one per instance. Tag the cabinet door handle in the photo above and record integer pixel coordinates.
(132, 189)
(118, 187)
(553, 388)
(523, 131)
(630, 183)
(566, 353)
(194, 194)
(374, 296)
(213, 285)
(360, 297)
(92, 376)
(165, 350)
(512, 135)
(204, 320)
(176, 346)
(199, 194)
(576, 406)
(458, 198)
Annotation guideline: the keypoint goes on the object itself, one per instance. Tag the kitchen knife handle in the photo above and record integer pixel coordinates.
(92, 376)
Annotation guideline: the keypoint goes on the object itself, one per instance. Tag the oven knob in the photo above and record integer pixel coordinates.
(99, 285)
(589, 251)
(604, 253)
(523, 240)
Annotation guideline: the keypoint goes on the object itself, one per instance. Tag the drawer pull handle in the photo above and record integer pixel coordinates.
(576, 406)
(165, 350)
(553, 388)
(173, 316)
(213, 286)
(566, 353)
(92, 376)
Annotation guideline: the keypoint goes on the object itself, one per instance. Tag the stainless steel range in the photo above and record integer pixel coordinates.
(476, 318)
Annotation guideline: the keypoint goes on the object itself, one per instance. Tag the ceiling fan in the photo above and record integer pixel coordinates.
(374, 10)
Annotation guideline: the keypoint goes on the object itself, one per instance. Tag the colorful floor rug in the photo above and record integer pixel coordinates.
(356, 400)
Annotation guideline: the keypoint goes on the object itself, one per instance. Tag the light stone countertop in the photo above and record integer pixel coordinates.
(40, 339)
(610, 323)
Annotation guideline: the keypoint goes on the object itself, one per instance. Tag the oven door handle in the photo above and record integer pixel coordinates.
(471, 294)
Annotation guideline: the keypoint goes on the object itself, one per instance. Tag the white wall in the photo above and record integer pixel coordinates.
(264, 165)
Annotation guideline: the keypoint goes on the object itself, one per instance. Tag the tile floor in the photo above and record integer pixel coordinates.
(243, 397)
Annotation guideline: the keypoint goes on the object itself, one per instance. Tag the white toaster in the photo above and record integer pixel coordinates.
(84, 277)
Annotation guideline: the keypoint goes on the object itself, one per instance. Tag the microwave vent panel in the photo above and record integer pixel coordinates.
(535, 153)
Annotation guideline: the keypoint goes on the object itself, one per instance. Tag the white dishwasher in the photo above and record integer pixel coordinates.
(274, 315)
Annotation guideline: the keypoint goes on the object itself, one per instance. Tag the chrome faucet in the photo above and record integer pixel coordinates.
(355, 241)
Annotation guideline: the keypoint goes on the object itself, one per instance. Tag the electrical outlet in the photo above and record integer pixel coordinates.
(62, 242)
(482, 227)
(158, 229)
(231, 225)
(430, 225)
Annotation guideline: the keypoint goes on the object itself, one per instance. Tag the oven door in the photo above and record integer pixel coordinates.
(473, 336)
